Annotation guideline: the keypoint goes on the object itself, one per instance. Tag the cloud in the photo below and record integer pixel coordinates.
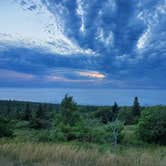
(113, 42)
(92, 74)
(13, 75)
(80, 13)
(36, 27)
(143, 40)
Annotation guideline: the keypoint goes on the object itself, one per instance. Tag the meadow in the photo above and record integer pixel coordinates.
(67, 134)
(45, 154)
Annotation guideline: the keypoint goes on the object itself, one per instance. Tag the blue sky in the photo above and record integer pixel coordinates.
(83, 43)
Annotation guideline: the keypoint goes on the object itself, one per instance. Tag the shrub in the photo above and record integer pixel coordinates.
(105, 115)
(125, 115)
(5, 128)
(114, 132)
(152, 126)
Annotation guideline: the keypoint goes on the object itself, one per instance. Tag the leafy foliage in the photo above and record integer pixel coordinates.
(105, 115)
(125, 115)
(152, 126)
(40, 119)
(71, 122)
(68, 111)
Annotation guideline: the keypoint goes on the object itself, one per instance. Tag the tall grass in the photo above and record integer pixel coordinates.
(44, 154)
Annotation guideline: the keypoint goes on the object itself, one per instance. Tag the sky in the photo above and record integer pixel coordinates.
(83, 43)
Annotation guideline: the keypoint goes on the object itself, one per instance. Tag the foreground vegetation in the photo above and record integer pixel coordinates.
(67, 134)
(44, 154)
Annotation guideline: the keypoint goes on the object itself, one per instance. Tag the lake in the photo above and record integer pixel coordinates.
(86, 96)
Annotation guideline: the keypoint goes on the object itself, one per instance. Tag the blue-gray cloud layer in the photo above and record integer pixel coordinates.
(127, 38)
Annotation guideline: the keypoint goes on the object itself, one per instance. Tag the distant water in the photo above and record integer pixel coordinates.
(86, 96)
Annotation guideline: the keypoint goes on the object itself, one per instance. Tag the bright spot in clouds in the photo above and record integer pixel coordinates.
(92, 74)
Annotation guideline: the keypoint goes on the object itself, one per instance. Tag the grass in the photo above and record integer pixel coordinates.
(45, 154)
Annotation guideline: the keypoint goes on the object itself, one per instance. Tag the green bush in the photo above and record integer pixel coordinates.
(105, 115)
(88, 131)
(126, 116)
(152, 126)
(43, 136)
(5, 128)
(114, 132)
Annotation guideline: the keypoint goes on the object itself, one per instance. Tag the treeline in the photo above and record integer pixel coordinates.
(68, 121)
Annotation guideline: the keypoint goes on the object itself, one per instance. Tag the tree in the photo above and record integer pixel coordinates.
(152, 126)
(136, 110)
(28, 113)
(104, 114)
(115, 130)
(68, 110)
(125, 115)
(9, 110)
(40, 119)
(5, 128)
(115, 110)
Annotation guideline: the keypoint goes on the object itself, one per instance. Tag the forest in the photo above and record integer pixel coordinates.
(28, 128)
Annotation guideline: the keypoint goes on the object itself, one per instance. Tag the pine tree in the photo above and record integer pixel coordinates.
(40, 119)
(9, 111)
(115, 110)
(136, 107)
(28, 113)
(69, 111)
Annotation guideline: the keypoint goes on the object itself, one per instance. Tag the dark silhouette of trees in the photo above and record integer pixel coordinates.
(115, 110)
(27, 113)
(104, 114)
(136, 110)
(40, 119)
(5, 128)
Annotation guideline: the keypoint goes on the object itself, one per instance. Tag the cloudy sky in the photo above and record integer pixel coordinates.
(83, 43)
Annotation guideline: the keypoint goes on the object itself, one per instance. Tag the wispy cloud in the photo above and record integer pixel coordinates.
(13, 75)
(36, 27)
(114, 43)
(92, 74)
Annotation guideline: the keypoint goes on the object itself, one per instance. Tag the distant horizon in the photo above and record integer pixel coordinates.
(98, 97)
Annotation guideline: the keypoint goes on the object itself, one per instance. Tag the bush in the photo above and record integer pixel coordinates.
(152, 126)
(88, 131)
(105, 115)
(5, 128)
(125, 115)
(114, 132)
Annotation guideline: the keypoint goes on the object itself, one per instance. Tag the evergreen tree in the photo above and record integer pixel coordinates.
(136, 110)
(28, 113)
(40, 119)
(68, 109)
(115, 110)
(18, 114)
(68, 103)
(40, 113)
(9, 110)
